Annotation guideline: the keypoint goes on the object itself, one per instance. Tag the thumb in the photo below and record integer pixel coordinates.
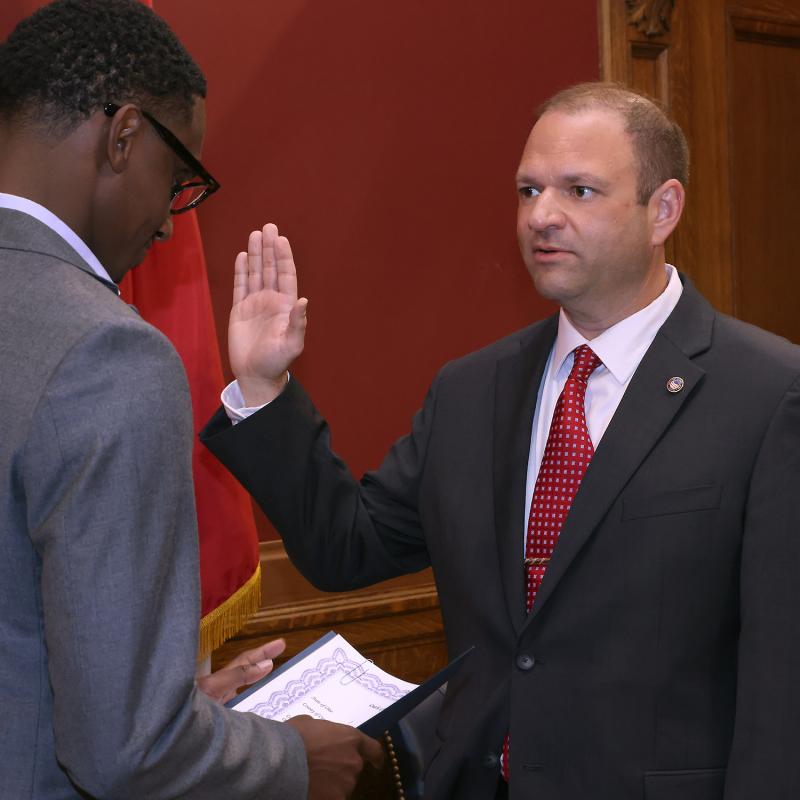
(298, 318)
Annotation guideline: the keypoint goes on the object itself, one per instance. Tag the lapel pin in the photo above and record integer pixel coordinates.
(675, 384)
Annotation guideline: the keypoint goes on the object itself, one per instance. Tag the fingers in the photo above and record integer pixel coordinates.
(269, 235)
(252, 665)
(250, 673)
(255, 262)
(222, 684)
(286, 271)
(248, 667)
(240, 278)
(256, 655)
(336, 756)
(268, 264)
(271, 649)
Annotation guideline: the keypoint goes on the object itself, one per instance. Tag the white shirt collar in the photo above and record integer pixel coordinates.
(622, 346)
(57, 225)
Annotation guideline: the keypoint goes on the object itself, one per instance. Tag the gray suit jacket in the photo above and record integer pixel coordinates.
(99, 602)
(662, 656)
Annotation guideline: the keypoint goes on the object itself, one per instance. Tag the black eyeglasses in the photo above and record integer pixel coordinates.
(188, 194)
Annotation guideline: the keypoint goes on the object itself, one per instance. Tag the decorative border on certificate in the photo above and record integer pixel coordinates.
(326, 669)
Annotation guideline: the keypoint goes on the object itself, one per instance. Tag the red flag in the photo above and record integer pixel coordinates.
(170, 290)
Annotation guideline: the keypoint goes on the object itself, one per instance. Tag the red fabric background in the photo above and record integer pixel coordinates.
(383, 139)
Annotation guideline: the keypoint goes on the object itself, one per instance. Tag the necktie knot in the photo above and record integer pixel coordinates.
(585, 363)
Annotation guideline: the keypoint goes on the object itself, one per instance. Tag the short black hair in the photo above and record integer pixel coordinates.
(64, 62)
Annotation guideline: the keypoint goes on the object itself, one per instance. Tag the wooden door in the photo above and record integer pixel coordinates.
(729, 70)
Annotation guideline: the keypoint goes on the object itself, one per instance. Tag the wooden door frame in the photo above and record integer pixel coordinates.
(677, 49)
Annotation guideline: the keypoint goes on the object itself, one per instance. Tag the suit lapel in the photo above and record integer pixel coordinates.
(516, 386)
(20, 231)
(644, 414)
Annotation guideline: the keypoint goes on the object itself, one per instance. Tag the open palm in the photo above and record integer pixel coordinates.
(267, 324)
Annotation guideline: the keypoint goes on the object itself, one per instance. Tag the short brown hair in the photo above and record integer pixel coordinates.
(659, 145)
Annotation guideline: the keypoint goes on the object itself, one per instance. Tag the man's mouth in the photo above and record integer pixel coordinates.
(548, 252)
(549, 249)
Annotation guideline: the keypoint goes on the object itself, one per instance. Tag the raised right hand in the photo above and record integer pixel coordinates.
(336, 756)
(267, 324)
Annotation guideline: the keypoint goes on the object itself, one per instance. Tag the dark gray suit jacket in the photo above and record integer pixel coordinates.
(99, 595)
(662, 657)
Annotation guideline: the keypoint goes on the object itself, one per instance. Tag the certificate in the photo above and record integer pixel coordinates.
(331, 680)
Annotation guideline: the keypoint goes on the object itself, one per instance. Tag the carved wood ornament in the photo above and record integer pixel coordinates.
(650, 17)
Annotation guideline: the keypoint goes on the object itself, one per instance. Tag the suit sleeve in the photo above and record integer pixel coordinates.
(342, 534)
(763, 759)
(108, 488)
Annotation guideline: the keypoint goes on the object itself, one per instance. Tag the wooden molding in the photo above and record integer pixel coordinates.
(283, 585)
(650, 17)
(670, 51)
(764, 30)
(397, 622)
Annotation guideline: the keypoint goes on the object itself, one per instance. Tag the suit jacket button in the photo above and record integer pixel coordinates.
(491, 761)
(525, 662)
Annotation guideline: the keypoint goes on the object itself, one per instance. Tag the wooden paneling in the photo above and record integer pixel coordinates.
(396, 623)
(765, 168)
(708, 217)
(649, 68)
(646, 45)
(730, 74)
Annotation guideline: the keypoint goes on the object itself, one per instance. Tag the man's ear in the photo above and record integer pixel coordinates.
(123, 132)
(666, 206)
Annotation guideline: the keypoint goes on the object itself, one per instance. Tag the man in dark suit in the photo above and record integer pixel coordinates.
(101, 125)
(608, 498)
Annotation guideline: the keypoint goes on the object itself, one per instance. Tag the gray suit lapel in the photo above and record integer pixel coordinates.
(517, 382)
(25, 233)
(645, 413)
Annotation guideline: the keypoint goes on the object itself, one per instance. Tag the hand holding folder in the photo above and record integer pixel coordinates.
(331, 680)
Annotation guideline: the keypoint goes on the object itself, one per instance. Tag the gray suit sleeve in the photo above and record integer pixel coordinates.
(110, 505)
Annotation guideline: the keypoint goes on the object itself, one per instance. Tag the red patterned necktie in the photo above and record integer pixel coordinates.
(566, 457)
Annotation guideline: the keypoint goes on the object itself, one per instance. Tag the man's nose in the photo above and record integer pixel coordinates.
(546, 211)
(165, 229)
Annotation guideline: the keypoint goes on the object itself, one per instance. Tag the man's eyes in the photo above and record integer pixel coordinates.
(580, 192)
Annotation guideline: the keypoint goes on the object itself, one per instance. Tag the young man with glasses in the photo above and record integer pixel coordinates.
(101, 125)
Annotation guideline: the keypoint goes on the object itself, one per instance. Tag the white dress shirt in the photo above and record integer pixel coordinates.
(621, 347)
(233, 403)
(57, 225)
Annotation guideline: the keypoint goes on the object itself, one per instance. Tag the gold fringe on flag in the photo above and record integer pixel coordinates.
(227, 618)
